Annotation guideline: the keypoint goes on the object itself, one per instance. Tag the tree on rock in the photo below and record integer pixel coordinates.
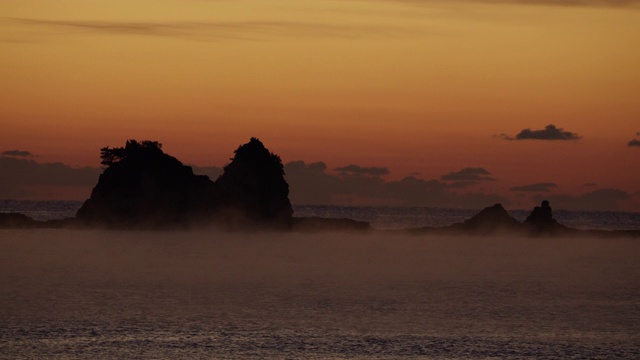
(144, 187)
(110, 156)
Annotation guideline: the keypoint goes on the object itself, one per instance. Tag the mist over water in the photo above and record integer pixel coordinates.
(113, 294)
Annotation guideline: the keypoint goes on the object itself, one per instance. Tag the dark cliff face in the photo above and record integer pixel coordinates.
(146, 188)
(253, 185)
(143, 187)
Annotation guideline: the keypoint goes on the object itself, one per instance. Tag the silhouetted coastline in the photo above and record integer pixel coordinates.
(144, 188)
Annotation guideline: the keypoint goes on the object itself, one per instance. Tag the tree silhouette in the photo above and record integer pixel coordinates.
(111, 156)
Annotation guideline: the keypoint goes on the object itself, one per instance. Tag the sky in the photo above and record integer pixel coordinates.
(415, 102)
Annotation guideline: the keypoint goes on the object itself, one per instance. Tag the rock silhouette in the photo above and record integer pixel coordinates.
(253, 188)
(541, 220)
(489, 221)
(541, 214)
(144, 187)
(495, 220)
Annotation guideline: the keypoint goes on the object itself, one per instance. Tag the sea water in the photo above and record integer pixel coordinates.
(70, 294)
(383, 218)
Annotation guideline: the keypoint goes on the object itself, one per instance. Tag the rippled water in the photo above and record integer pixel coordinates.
(92, 294)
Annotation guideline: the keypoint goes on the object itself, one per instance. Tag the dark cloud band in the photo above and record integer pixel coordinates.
(359, 170)
(18, 153)
(550, 132)
(469, 174)
(538, 187)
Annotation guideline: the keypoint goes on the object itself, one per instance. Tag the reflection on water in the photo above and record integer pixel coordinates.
(76, 294)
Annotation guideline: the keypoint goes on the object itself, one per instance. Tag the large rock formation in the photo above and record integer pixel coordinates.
(253, 186)
(142, 187)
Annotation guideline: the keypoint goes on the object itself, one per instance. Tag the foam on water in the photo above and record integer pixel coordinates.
(113, 294)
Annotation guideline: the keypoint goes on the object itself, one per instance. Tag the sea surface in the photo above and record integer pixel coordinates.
(384, 218)
(90, 294)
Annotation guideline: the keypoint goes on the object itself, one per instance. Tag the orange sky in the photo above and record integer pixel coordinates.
(421, 87)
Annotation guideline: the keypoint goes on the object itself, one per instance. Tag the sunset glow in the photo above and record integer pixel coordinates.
(423, 88)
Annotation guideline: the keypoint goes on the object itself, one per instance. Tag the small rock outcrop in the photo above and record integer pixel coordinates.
(541, 220)
(490, 220)
(541, 214)
(253, 186)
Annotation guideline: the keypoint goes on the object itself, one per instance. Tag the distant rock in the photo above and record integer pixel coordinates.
(541, 221)
(541, 215)
(253, 188)
(490, 220)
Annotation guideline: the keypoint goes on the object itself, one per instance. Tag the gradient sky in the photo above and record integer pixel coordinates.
(423, 88)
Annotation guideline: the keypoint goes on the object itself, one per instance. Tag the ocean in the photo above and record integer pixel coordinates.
(382, 218)
(93, 294)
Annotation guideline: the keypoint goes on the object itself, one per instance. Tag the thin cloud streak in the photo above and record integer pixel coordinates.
(538, 187)
(17, 153)
(469, 174)
(356, 169)
(243, 30)
(563, 3)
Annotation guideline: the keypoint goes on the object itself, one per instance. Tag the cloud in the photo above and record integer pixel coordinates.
(355, 169)
(243, 30)
(550, 132)
(19, 177)
(593, 3)
(461, 184)
(597, 200)
(537, 187)
(599, 3)
(22, 178)
(311, 184)
(17, 153)
(504, 136)
(468, 174)
(634, 142)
